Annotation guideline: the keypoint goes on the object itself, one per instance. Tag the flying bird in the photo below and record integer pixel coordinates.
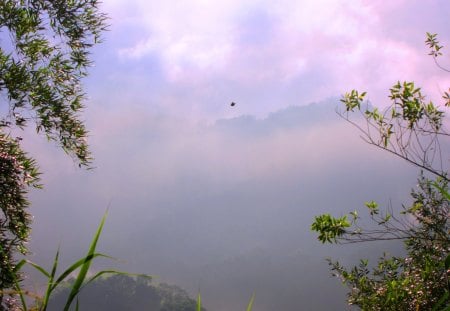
(232, 104)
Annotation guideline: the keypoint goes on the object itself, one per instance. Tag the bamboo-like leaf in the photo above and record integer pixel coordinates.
(85, 266)
(443, 191)
(19, 265)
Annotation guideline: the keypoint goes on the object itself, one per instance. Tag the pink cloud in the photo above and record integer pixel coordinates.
(263, 47)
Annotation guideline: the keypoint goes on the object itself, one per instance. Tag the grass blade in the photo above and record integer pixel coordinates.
(39, 268)
(17, 290)
(85, 266)
(17, 285)
(21, 295)
(250, 303)
(199, 302)
(50, 281)
(76, 265)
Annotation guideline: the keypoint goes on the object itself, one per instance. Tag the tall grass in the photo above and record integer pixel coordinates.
(249, 306)
(53, 281)
(81, 280)
(250, 303)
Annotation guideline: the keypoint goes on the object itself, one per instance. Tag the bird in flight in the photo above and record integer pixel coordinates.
(232, 104)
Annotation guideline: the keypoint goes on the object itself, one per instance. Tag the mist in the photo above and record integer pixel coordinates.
(219, 199)
(223, 207)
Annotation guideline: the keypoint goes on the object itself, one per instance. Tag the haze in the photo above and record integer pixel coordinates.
(220, 198)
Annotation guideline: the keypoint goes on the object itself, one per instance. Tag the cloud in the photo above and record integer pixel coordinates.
(193, 57)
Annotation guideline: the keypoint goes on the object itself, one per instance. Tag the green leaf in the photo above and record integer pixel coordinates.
(85, 266)
(441, 302)
(51, 278)
(447, 262)
(250, 303)
(199, 302)
(79, 263)
(39, 268)
(443, 191)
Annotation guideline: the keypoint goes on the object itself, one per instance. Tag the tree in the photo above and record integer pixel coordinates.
(44, 54)
(413, 129)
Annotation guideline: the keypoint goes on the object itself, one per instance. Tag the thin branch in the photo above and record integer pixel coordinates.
(439, 65)
(422, 166)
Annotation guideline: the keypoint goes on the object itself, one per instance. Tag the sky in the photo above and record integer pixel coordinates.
(221, 198)
(189, 57)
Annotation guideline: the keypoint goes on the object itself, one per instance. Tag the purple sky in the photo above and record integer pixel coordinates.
(191, 58)
(204, 194)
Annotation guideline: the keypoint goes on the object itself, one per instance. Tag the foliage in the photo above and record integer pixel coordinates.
(44, 54)
(414, 282)
(41, 68)
(435, 52)
(18, 172)
(410, 128)
(329, 227)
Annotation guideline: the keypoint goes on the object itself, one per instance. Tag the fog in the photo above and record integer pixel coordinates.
(220, 199)
(223, 207)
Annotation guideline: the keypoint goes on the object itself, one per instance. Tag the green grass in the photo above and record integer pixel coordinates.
(81, 280)
(249, 306)
(53, 281)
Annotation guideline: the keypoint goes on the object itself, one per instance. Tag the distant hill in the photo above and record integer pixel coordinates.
(290, 117)
(121, 292)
